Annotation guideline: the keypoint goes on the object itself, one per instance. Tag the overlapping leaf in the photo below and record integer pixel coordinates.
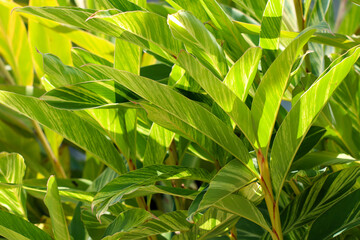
(318, 198)
(298, 121)
(266, 103)
(14, 227)
(114, 191)
(66, 124)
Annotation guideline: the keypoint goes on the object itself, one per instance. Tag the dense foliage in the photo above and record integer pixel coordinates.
(180, 119)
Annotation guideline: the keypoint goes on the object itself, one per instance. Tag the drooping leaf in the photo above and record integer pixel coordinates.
(181, 107)
(81, 57)
(242, 207)
(131, 181)
(13, 227)
(293, 128)
(12, 170)
(66, 124)
(160, 37)
(319, 159)
(165, 223)
(127, 221)
(53, 203)
(331, 39)
(228, 180)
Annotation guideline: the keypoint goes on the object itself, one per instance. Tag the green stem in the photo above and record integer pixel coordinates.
(301, 22)
(271, 204)
(8, 78)
(59, 170)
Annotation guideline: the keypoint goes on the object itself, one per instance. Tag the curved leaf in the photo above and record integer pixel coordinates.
(168, 222)
(228, 180)
(298, 121)
(242, 207)
(199, 41)
(127, 183)
(160, 35)
(181, 107)
(68, 125)
(16, 228)
(220, 92)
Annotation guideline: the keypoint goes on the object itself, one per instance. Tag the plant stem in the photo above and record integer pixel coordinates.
(173, 160)
(233, 233)
(8, 78)
(271, 204)
(294, 187)
(56, 164)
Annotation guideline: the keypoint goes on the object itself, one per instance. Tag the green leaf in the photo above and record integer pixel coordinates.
(344, 215)
(232, 177)
(212, 223)
(95, 228)
(241, 75)
(81, 57)
(127, 56)
(157, 145)
(16, 228)
(127, 183)
(14, 45)
(221, 93)
(235, 43)
(12, 170)
(266, 102)
(271, 25)
(298, 121)
(160, 39)
(182, 128)
(270, 31)
(356, 2)
(316, 199)
(320, 159)
(180, 107)
(331, 39)
(168, 222)
(45, 40)
(199, 41)
(242, 207)
(53, 203)
(127, 221)
(74, 128)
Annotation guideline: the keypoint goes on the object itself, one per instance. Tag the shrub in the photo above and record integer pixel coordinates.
(197, 120)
